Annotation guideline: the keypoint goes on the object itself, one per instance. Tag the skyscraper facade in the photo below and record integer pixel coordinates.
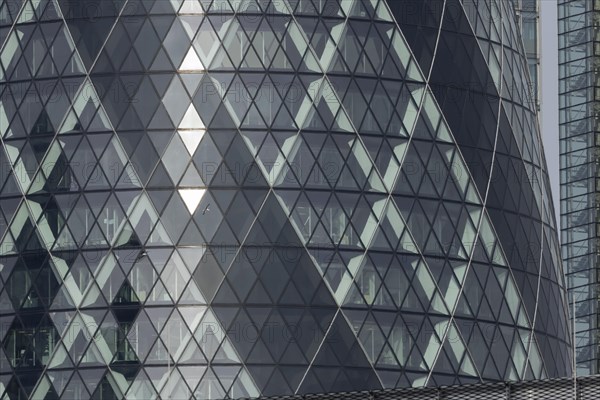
(234, 198)
(528, 17)
(480, 109)
(579, 98)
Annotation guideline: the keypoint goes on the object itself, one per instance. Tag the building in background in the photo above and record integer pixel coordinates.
(579, 115)
(528, 14)
(224, 199)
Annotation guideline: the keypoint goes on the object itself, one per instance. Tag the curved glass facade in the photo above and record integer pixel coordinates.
(235, 198)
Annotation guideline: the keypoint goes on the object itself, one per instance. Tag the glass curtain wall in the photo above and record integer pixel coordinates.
(240, 198)
(579, 113)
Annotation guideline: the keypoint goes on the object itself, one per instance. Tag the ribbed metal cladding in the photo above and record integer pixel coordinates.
(585, 388)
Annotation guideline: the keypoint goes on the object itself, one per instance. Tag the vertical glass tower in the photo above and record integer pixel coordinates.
(528, 13)
(579, 113)
(207, 199)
